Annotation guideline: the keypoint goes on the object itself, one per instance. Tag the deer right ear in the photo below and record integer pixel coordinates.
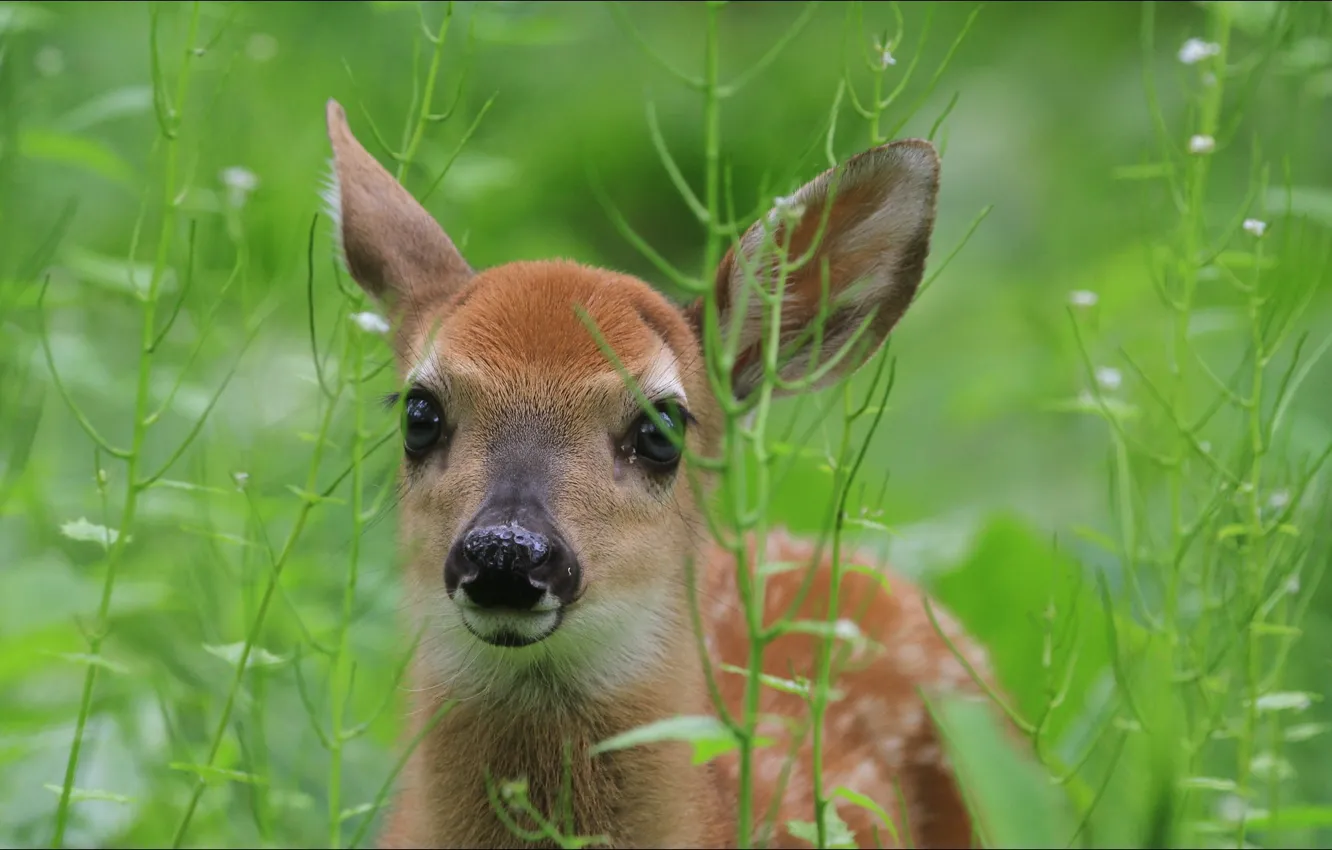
(393, 248)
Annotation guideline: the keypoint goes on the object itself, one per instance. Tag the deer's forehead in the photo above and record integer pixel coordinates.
(555, 330)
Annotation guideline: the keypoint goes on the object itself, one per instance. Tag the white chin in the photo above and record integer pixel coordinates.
(510, 628)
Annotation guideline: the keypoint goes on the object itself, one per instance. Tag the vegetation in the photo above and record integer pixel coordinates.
(1105, 449)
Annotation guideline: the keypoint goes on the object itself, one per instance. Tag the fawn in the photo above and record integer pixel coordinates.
(546, 522)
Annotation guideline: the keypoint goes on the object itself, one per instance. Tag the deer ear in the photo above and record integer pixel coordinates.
(392, 247)
(872, 218)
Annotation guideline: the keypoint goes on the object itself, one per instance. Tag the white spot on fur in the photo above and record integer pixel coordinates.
(911, 658)
(927, 754)
(865, 776)
(890, 749)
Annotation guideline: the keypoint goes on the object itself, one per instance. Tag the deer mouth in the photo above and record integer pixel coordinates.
(509, 628)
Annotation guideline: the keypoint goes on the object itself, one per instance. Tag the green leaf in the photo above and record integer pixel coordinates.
(99, 661)
(709, 736)
(231, 653)
(190, 487)
(856, 798)
(836, 832)
(1014, 587)
(218, 774)
(1285, 701)
(79, 795)
(114, 273)
(1305, 731)
(1013, 801)
(800, 686)
(347, 814)
(81, 151)
(121, 102)
(314, 498)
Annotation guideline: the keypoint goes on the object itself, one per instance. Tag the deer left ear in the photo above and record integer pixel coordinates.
(393, 248)
(872, 218)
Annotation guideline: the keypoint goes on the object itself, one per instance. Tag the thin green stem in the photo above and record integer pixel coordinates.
(133, 486)
(252, 637)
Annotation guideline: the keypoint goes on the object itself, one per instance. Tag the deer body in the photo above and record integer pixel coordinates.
(547, 523)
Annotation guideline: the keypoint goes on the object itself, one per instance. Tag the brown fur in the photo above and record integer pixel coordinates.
(519, 375)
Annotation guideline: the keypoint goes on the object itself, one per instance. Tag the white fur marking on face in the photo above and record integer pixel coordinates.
(603, 645)
(611, 643)
(487, 623)
(426, 370)
(661, 378)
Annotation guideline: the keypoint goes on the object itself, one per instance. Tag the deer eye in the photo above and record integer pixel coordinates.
(422, 423)
(654, 445)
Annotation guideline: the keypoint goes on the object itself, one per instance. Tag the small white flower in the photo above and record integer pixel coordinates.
(1201, 144)
(1109, 377)
(371, 322)
(1292, 585)
(1195, 50)
(1082, 298)
(240, 479)
(1254, 226)
(1278, 500)
(240, 182)
(885, 52)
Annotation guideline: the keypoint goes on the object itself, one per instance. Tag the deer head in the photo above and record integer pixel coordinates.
(546, 514)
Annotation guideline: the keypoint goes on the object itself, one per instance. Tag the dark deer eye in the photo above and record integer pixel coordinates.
(422, 423)
(654, 445)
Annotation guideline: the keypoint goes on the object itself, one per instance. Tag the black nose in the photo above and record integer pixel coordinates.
(508, 566)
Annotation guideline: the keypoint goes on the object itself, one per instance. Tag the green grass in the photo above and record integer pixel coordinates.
(1125, 500)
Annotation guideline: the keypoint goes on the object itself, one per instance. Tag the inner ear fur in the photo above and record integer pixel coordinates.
(872, 217)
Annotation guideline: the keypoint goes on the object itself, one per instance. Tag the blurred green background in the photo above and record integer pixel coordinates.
(993, 464)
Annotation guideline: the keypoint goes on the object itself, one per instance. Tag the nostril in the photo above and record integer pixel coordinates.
(502, 589)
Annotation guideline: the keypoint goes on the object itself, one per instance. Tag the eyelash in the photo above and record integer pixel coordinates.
(669, 402)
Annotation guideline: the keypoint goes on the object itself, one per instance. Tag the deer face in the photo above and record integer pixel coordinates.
(546, 509)
(546, 516)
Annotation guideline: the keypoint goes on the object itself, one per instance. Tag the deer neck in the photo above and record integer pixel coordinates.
(541, 736)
